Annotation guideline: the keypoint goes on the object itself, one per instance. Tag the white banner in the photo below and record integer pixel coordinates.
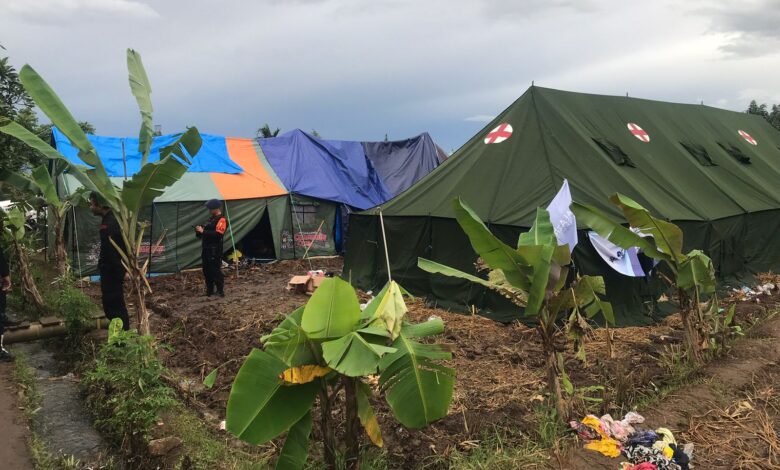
(563, 221)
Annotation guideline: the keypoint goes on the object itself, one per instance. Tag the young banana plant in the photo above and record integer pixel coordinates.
(135, 193)
(692, 273)
(330, 345)
(534, 276)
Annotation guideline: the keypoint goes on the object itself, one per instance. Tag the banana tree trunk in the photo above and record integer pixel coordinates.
(139, 291)
(692, 340)
(29, 288)
(352, 456)
(326, 423)
(60, 250)
(553, 375)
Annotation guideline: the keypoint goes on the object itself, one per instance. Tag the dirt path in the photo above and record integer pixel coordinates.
(13, 451)
(731, 414)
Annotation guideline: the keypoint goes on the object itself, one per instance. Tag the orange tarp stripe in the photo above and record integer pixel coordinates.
(254, 182)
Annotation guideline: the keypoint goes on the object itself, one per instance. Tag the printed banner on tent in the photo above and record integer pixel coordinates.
(562, 218)
(625, 262)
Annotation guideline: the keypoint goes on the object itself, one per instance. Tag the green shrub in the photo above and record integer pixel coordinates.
(125, 389)
(74, 306)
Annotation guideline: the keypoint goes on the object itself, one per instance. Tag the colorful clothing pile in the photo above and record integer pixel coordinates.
(645, 449)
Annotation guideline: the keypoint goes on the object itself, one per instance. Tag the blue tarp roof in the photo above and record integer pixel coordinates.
(400, 163)
(212, 157)
(334, 170)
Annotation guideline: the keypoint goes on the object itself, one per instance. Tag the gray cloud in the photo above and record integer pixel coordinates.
(57, 11)
(357, 69)
(752, 28)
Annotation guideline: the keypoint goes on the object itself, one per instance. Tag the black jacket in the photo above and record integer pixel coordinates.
(213, 231)
(110, 259)
(4, 271)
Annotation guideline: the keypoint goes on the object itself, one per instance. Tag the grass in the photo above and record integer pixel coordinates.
(494, 452)
(204, 449)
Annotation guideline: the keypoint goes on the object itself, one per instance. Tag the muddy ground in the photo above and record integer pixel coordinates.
(500, 381)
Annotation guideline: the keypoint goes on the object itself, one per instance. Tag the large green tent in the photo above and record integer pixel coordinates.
(714, 172)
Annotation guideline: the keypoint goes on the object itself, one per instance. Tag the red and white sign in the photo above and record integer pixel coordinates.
(499, 134)
(747, 137)
(638, 132)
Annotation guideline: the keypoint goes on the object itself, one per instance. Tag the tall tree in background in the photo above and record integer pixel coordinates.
(763, 110)
(265, 132)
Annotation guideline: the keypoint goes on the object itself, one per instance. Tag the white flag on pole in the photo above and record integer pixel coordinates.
(563, 221)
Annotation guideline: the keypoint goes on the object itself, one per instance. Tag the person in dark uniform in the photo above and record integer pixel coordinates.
(5, 286)
(211, 234)
(112, 273)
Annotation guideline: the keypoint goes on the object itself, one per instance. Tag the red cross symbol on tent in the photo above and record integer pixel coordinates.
(499, 134)
(747, 137)
(638, 132)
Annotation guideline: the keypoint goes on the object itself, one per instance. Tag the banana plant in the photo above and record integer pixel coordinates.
(136, 192)
(40, 184)
(693, 273)
(15, 232)
(329, 345)
(534, 277)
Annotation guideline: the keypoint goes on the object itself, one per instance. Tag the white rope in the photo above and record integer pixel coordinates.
(387, 253)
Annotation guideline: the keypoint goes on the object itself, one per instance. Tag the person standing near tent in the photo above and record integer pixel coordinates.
(112, 273)
(211, 234)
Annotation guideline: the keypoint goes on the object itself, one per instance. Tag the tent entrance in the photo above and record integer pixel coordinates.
(258, 244)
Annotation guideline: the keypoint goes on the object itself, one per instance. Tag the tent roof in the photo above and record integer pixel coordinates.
(556, 134)
(401, 163)
(225, 168)
(334, 170)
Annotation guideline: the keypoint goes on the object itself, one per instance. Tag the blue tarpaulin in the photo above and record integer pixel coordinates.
(333, 170)
(121, 158)
(401, 163)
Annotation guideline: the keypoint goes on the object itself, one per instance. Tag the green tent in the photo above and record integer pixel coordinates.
(716, 173)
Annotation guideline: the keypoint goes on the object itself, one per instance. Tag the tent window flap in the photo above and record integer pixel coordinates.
(699, 153)
(614, 152)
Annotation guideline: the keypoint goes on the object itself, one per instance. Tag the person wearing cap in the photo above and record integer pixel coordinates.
(112, 273)
(211, 234)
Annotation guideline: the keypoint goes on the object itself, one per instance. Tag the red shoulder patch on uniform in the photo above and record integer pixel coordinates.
(221, 226)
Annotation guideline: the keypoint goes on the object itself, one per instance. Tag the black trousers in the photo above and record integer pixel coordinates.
(112, 288)
(212, 270)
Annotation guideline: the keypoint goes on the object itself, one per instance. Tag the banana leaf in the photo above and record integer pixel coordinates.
(296, 445)
(260, 406)
(46, 186)
(51, 105)
(142, 89)
(495, 253)
(353, 355)
(332, 312)
(19, 181)
(437, 268)
(615, 232)
(288, 341)
(541, 233)
(667, 236)
(366, 414)
(588, 294)
(417, 389)
(697, 271)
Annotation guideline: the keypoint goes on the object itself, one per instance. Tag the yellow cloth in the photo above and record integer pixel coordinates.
(606, 446)
(663, 444)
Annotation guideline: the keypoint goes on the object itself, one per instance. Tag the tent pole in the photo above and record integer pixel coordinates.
(151, 231)
(384, 239)
(292, 225)
(232, 240)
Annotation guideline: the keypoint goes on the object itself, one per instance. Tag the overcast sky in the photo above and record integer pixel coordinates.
(357, 69)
